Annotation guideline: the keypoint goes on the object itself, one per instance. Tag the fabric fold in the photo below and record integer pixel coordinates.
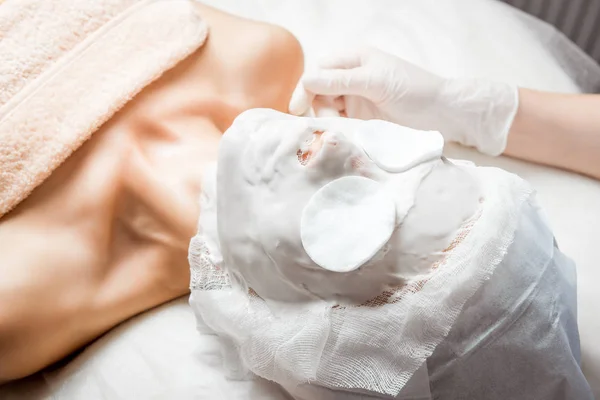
(68, 67)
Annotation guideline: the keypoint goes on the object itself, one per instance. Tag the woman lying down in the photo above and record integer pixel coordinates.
(347, 258)
(347, 254)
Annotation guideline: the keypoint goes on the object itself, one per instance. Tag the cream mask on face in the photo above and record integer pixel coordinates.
(311, 208)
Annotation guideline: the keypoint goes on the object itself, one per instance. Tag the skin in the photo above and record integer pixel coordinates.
(561, 130)
(106, 236)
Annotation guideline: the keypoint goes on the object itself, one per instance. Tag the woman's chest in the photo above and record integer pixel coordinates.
(125, 204)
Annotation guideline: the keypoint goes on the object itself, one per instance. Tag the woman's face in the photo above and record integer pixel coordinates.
(273, 170)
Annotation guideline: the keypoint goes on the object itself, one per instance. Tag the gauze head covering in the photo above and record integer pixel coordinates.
(517, 336)
(315, 345)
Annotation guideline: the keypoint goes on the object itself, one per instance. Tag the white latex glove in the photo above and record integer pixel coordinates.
(371, 84)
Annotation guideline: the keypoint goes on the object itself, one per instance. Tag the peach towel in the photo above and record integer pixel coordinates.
(67, 66)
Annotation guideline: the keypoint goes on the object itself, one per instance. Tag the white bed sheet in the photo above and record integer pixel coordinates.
(160, 355)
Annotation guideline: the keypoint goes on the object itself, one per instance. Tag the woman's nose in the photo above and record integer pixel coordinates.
(315, 145)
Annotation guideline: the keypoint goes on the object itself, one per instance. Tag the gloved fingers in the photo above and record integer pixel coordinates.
(326, 106)
(335, 102)
(337, 82)
(339, 103)
(300, 101)
(339, 75)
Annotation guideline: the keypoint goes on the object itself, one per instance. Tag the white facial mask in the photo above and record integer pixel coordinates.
(307, 206)
(289, 189)
(397, 148)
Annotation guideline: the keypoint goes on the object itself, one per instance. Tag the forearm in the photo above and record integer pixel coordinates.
(560, 130)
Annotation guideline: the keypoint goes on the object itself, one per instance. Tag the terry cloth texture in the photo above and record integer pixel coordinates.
(68, 66)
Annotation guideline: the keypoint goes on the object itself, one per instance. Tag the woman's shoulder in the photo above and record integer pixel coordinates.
(261, 62)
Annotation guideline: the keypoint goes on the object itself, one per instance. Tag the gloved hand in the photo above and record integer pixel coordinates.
(372, 84)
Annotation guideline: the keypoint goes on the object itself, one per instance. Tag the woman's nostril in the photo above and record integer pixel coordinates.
(304, 155)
